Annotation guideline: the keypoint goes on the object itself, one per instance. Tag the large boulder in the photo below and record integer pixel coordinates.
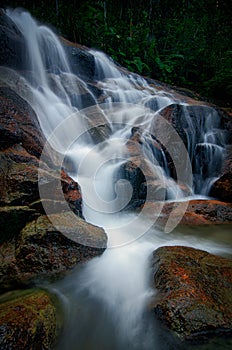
(193, 296)
(28, 320)
(43, 251)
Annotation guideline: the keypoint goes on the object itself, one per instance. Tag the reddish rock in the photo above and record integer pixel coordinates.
(28, 320)
(198, 212)
(193, 291)
(19, 124)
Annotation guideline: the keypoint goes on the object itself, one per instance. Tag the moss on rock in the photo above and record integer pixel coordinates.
(28, 321)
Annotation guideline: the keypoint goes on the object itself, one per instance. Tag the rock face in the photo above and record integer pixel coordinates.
(47, 252)
(19, 124)
(193, 291)
(28, 321)
(11, 43)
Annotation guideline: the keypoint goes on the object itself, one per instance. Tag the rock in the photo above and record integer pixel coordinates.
(13, 219)
(193, 291)
(45, 252)
(11, 42)
(19, 185)
(198, 212)
(19, 177)
(21, 144)
(28, 321)
(72, 193)
(19, 124)
(222, 188)
(81, 60)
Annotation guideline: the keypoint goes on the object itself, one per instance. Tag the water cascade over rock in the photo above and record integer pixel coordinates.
(133, 147)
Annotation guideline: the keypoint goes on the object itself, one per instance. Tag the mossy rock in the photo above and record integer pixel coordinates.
(193, 296)
(28, 320)
(13, 219)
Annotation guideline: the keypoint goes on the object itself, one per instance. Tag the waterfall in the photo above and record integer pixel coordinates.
(107, 299)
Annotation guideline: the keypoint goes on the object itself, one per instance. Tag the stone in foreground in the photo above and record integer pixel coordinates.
(193, 291)
(28, 321)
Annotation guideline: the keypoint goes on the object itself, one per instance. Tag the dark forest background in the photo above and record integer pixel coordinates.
(182, 42)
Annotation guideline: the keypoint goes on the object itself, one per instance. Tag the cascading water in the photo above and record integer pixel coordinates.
(106, 301)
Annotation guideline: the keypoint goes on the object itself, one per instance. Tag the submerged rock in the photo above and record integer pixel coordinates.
(193, 291)
(28, 321)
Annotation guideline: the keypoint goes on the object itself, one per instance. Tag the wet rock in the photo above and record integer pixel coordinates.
(13, 219)
(198, 212)
(28, 321)
(19, 124)
(11, 42)
(81, 60)
(222, 188)
(19, 177)
(31, 247)
(46, 251)
(193, 291)
(19, 184)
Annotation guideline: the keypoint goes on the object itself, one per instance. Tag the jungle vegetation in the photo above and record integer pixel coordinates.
(186, 43)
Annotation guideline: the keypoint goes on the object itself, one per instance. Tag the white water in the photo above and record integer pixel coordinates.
(106, 301)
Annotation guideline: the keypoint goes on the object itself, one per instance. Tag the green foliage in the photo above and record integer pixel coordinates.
(186, 43)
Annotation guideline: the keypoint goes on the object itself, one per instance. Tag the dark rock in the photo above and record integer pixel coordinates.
(11, 43)
(198, 212)
(32, 248)
(19, 123)
(13, 219)
(18, 177)
(43, 251)
(193, 291)
(28, 321)
(81, 60)
(222, 188)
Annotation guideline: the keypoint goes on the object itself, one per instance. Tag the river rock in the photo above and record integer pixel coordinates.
(43, 251)
(28, 320)
(193, 296)
(198, 212)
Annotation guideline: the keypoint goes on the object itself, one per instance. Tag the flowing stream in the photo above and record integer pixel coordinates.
(105, 300)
